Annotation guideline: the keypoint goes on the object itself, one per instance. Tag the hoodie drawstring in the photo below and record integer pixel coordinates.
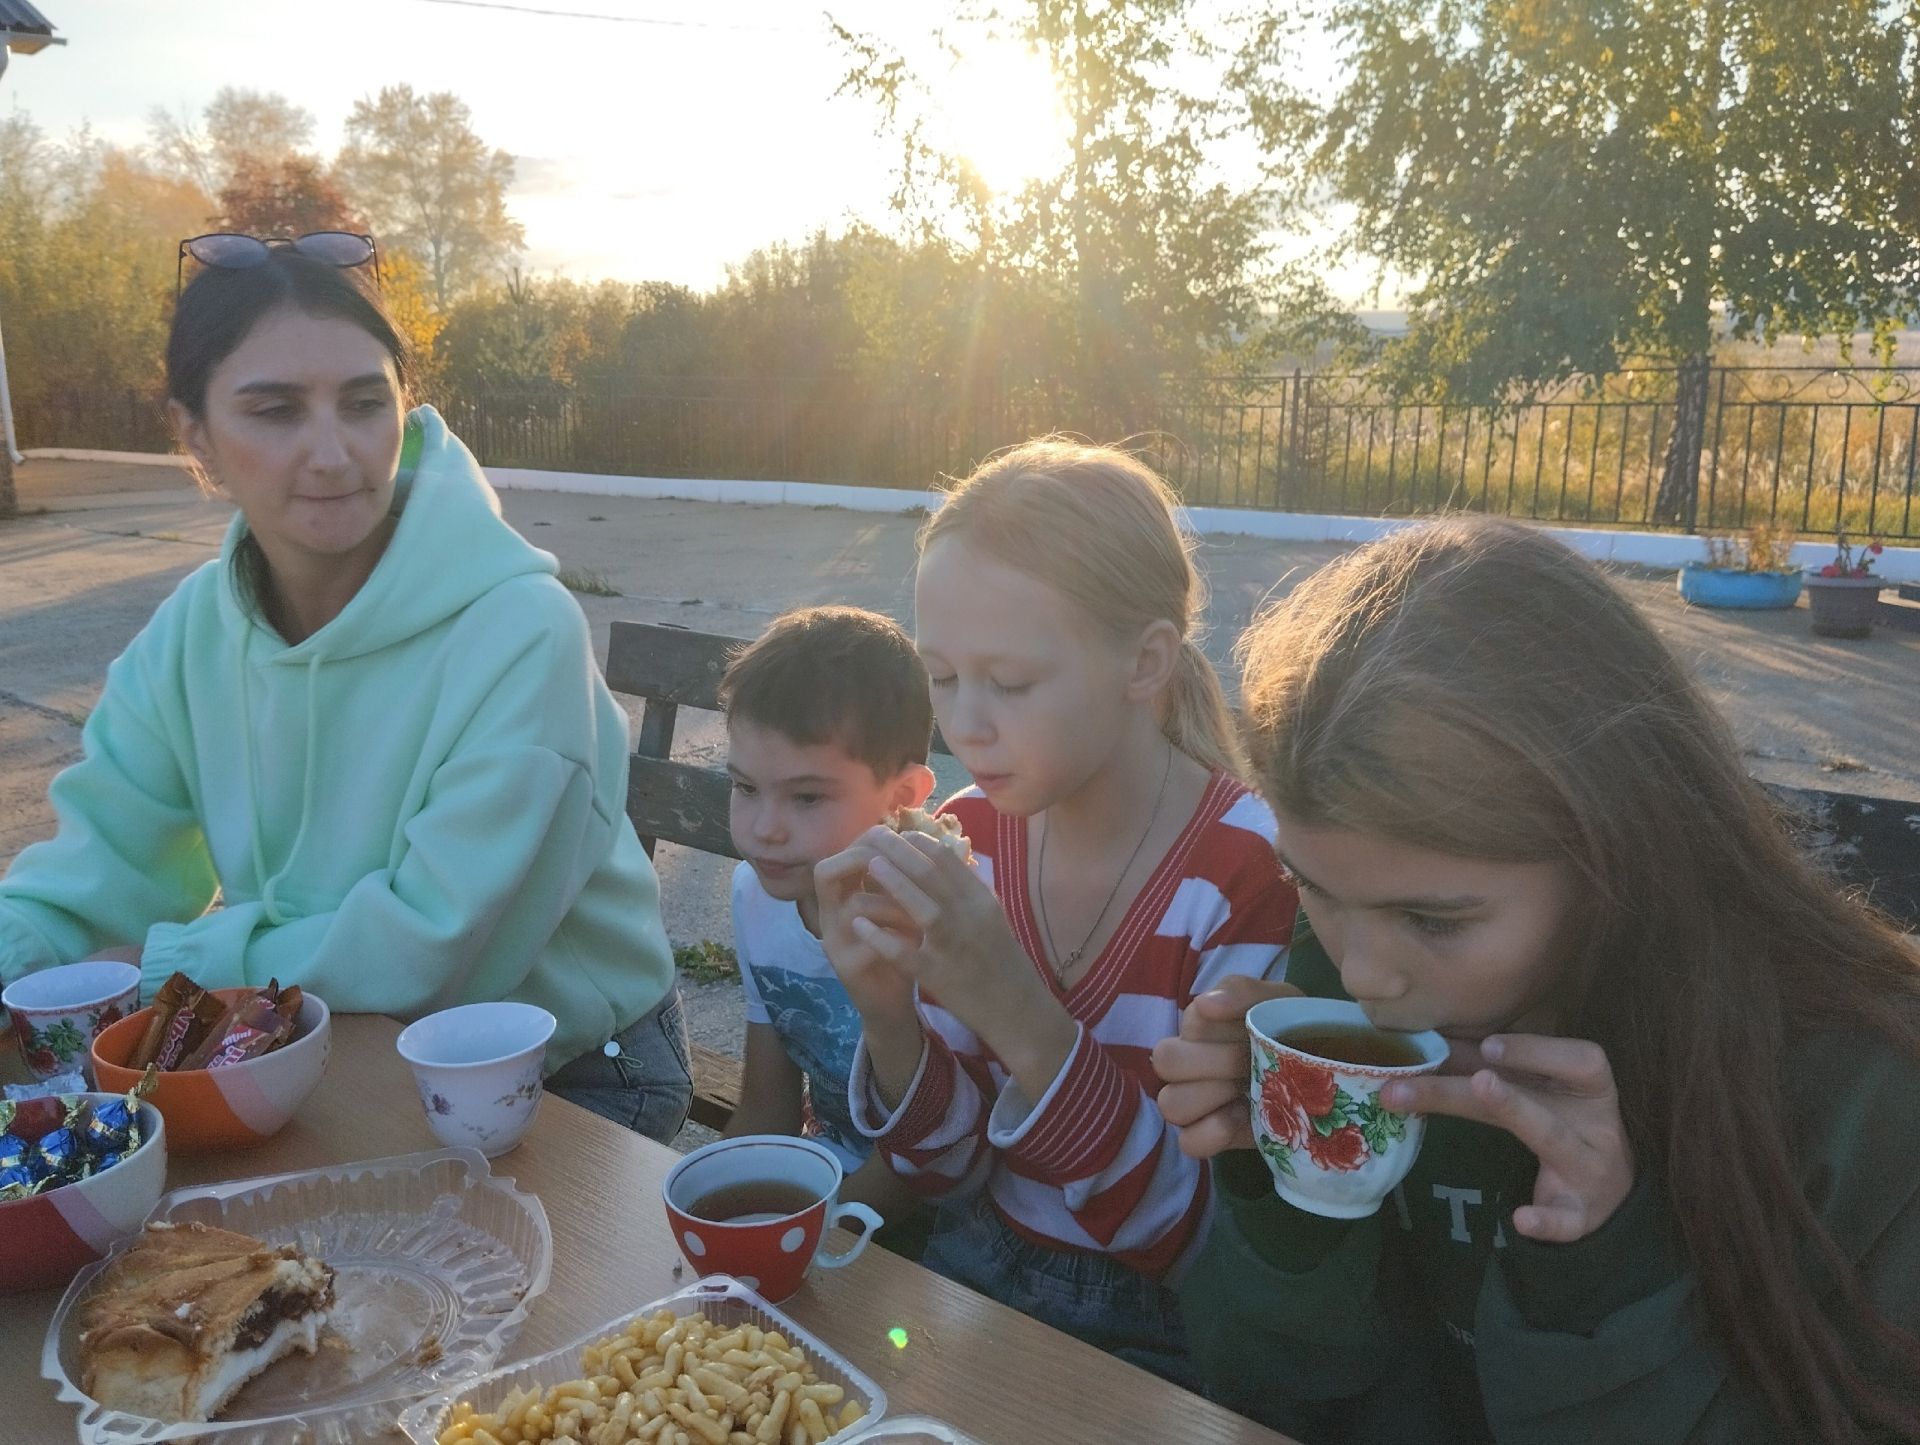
(268, 885)
(267, 898)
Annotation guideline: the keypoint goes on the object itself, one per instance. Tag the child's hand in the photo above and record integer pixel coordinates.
(956, 942)
(1204, 1069)
(967, 957)
(1557, 1097)
(876, 986)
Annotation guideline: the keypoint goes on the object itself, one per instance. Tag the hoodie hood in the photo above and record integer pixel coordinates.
(449, 548)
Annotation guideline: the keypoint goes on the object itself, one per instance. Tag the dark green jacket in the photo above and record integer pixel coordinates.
(1432, 1322)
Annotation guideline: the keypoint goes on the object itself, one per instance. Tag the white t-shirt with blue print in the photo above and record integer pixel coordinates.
(792, 987)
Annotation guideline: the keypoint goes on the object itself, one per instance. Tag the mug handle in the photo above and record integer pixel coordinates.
(866, 1216)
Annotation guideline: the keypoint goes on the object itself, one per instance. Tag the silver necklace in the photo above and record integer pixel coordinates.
(1065, 965)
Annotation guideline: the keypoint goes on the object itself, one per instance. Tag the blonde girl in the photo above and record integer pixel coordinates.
(1120, 868)
(1671, 1183)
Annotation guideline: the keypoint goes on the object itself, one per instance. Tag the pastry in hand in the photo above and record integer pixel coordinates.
(187, 1315)
(942, 827)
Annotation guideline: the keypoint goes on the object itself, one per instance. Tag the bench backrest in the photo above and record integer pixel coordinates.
(1871, 843)
(669, 668)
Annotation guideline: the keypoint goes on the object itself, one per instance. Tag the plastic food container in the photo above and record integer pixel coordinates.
(913, 1430)
(724, 1301)
(435, 1263)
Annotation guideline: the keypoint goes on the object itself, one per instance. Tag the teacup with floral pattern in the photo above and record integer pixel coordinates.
(1331, 1146)
(57, 1012)
(479, 1068)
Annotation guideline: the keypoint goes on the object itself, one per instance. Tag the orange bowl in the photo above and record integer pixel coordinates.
(232, 1107)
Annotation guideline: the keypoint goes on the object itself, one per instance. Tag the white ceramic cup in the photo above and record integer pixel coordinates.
(1330, 1145)
(478, 1068)
(58, 1011)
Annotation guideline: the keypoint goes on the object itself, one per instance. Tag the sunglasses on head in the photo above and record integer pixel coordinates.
(231, 251)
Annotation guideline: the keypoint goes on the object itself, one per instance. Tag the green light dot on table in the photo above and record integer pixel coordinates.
(898, 1336)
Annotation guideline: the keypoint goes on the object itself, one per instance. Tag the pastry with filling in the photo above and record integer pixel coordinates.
(944, 828)
(178, 1323)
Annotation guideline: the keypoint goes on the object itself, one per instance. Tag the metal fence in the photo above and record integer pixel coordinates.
(1808, 448)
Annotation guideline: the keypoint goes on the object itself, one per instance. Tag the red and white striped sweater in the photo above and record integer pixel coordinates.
(1092, 1166)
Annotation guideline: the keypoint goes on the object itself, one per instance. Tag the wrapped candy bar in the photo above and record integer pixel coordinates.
(13, 1151)
(174, 995)
(255, 1024)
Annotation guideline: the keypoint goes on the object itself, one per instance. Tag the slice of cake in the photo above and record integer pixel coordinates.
(189, 1314)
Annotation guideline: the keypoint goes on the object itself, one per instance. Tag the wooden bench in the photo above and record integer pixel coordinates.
(1873, 843)
(669, 668)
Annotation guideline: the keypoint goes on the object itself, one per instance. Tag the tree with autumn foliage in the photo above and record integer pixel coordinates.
(428, 183)
(286, 197)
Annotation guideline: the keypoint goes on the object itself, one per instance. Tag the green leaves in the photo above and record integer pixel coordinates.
(1379, 1126)
(1279, 1155)
(1573, 187)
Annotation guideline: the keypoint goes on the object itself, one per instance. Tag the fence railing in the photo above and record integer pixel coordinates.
(1809, 448)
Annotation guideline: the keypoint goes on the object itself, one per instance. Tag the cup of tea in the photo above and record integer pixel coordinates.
(58, 1011)
(757, 1207)
(1318, 1068)
(478, 1068)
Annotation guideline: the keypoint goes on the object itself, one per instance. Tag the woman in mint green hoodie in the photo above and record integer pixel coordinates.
(1670, 1189)
(373, 728)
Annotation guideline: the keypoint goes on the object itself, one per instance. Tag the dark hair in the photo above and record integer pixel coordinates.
(836, 675)
(1479, 689)
(220, 307)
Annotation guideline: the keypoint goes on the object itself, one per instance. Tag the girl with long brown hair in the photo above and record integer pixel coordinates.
(1671, 1183)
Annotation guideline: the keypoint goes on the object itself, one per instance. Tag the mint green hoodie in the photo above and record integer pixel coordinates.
(421, 805)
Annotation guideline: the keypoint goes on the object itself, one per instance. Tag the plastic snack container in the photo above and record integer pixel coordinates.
(435, 1263)
(723, 1300)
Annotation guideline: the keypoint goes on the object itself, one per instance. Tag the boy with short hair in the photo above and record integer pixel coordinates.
(829, 720)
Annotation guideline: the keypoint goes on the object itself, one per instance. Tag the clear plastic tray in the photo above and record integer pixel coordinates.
(722, 1299)
(435, 1263)
(913, 1430)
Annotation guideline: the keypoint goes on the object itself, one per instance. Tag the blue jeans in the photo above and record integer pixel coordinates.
(1092, 1297)
(648, 1086)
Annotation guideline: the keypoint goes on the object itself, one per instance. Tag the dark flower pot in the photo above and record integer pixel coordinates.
(1843, 606)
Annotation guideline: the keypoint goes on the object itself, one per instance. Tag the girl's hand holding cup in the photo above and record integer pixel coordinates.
(1556, 1096)
(1205, 1068)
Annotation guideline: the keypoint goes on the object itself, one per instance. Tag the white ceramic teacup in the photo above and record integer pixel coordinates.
(1331, 1146)
(57, 1012)
(478, 1068)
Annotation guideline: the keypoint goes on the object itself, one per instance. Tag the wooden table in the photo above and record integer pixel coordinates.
(991, 1371)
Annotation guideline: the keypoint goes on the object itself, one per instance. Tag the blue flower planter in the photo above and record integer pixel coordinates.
(1710, 587)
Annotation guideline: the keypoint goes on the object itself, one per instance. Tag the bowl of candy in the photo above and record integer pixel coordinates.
(78, 1173)
(233, 1064)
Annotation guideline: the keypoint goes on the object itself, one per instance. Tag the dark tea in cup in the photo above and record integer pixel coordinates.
(752, 1201)
(1353, 1044)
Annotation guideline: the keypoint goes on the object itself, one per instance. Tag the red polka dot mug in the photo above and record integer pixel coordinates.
(757, 1208)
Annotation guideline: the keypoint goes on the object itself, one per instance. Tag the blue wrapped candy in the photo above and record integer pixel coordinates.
(61, 1153)
(111, 1128)
(13, 1151)
(18, 1182)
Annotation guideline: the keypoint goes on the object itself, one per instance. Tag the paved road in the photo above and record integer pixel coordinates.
(78, 579)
